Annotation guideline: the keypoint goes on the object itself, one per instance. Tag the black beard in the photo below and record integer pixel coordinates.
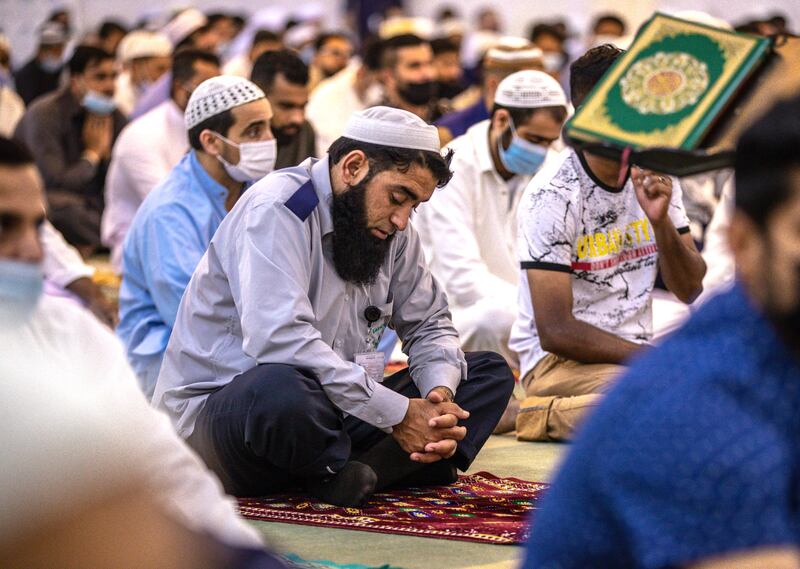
(449, 89)
(282, 137)
(357, 254)
(418, 94)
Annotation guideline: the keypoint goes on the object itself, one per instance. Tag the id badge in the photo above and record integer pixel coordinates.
(373, 364)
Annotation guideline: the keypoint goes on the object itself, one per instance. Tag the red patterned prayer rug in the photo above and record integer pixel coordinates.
(480, 507)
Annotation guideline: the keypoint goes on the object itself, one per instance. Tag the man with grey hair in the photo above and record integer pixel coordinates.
(272, 372)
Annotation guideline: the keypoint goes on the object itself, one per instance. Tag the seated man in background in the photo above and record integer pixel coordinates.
(332, 53)
(228, 125)
(263, 41)
(469, 228)
(283, 77)
(145, 57)
(408, 76)
(272, 372)
(56, 345)
(692, 459)
(42, 74)
(71, 133)
(449, 72)
(592, 239)
(149, 147)
(353, 89)
(498, 63)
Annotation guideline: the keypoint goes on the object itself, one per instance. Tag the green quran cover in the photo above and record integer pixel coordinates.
(669, 87)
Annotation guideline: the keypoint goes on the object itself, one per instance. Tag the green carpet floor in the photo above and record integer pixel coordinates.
(502, 456)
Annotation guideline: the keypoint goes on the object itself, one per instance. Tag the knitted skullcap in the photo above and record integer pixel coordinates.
(530, 89)
(217, 95)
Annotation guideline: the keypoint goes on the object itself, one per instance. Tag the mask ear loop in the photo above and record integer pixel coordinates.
(623, 166)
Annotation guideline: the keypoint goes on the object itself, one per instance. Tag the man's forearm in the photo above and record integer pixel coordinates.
(682, 268)
(580, 341)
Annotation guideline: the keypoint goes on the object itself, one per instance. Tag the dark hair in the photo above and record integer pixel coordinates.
(372, 53)
(521, 116)
(215, 17)
(189, 40)
(264, 36)
(392, 45)
(220, 124)
(541, 29)
(14, 153)
(446, 13)
(183, 63)
(586, 71)
(322, 39)
(765, 155)
(109, 27)
(284, 62)
(383, 158)
(443, 45)
(86, 55)
(609, 19)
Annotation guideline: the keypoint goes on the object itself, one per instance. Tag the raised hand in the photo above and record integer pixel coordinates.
(653, 192)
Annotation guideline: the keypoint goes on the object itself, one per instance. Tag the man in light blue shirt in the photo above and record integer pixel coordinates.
(228, 124)
(272, 372)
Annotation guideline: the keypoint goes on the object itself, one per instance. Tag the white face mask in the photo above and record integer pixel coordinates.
(256, 159)
(20, 289)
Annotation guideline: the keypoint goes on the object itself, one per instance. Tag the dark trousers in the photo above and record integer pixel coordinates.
(273, 427)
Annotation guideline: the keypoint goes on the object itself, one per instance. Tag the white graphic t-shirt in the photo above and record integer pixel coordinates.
(571, 222)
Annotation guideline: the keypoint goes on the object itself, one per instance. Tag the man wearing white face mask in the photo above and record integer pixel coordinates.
(228, 124)
(469, 227)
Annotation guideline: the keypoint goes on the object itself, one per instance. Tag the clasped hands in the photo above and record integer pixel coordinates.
(430, 432)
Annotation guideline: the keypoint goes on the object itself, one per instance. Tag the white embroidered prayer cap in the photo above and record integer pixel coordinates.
(184, 24)
(530, 89)
(217, 95)
(392, 127)
(141, 43)
(52, 33)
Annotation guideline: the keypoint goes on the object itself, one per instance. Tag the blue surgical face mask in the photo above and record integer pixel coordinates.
(98, 103)
(522, 157)
(50, 64)
(20, 289)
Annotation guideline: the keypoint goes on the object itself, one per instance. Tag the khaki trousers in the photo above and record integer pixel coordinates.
(559, 394)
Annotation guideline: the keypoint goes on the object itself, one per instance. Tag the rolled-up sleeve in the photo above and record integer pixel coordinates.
(272, 253)
(422, 320)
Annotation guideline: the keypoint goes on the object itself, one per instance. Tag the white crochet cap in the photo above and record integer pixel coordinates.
(52, 33)
(392, 127)
(183, 25)
(141, 43)
(217, 95)
(530, 89)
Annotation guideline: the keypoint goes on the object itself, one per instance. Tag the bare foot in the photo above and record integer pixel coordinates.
(508, 422)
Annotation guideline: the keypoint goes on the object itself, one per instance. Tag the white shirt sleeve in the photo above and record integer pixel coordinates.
(721, 266)
(677, 211)
(547, 226)
(457, 262)
(96, 365)
(62, 264)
